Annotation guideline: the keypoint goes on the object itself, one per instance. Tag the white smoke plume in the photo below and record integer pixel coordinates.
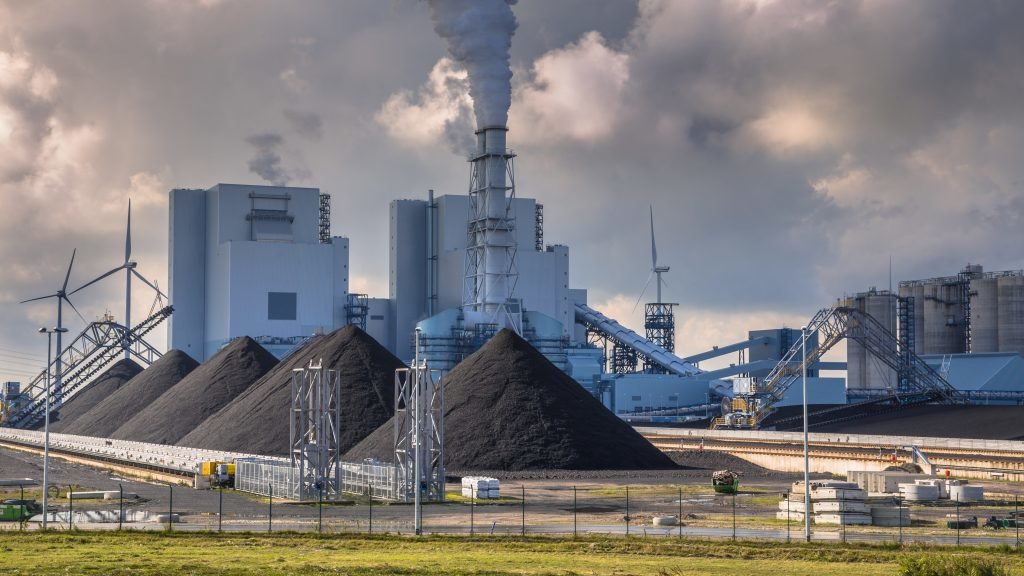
(479, 35)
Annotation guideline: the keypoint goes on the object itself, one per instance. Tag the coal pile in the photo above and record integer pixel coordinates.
(95, 392)
(207, 389)
(981, 422)
(507, 408)
(257, 421)
(134, 396)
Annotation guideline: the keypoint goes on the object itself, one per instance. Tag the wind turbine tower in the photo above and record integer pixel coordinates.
(659, 316)
(128, 266)
(62, 296)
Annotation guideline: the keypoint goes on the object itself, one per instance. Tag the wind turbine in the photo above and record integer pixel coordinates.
(656, 271)
(129, 267)
(62, 296)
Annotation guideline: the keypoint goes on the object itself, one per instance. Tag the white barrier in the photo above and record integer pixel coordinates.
(160, 456)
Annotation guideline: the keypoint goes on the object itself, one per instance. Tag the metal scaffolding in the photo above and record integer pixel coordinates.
(325, 218)
(922, 384)
(315, 425)
(98, 345)
(357, 308)
(660, 328)
(419, 432)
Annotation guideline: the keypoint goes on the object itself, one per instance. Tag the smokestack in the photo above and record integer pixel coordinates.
(490, 224)
(479, 35)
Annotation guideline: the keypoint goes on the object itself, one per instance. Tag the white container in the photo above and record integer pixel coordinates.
(966, 493)
(940, 484)
(919, 493)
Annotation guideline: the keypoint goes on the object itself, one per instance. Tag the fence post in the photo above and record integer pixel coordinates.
(627, 511)
(472, 505)
(170, 507)
(1016, 520)
(71, 509)
(120, 505)
(270, 510)
(220, 509)
(899, 511)
(573, 511)
(320, 512)
(734, 516)
(957, 518)
(785, 496)
(524, 510)
(679, 518)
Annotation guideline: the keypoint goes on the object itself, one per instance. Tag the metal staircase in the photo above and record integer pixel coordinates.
(918, 382)
(100, 344)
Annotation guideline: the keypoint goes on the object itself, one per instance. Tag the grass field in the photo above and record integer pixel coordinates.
(138, 553)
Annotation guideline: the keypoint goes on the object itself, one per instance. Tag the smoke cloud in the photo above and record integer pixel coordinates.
(267, 162)
(479, 35)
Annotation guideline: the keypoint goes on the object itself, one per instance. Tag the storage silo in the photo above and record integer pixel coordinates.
(864, 370)
(984, 320)
(915, 290)
(1011, 313)
(943, 318)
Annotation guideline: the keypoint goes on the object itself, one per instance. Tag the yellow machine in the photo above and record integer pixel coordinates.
(219, 473)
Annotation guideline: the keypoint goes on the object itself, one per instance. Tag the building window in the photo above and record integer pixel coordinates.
(636, 398)
(281, 305)
(376, 317)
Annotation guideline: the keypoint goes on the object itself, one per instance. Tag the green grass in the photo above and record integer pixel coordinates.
(139, 553)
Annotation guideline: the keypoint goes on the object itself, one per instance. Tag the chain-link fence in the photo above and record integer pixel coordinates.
(529, 508)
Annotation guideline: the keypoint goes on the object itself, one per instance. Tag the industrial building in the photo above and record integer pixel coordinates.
(969, 327)
(257, 261)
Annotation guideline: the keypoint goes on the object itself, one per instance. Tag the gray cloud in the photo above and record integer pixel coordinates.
(266, 159)
(788, 148)
(307, 124)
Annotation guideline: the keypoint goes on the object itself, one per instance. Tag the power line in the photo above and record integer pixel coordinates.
(19, 353)
(33, 363)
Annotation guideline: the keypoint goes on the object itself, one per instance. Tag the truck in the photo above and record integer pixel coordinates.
(19, 510)
(726, 481)
(220, 474)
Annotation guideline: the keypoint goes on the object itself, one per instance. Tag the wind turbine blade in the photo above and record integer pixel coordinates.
(70, 264)
(39, 298)
(644, 291)
(95, 280)
(654, 249)
(148, 283)
(68, 300)
(128, 235)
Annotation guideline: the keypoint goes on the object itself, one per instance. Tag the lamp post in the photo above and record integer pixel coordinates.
(416, 415)
(46, 416)
(807, 464)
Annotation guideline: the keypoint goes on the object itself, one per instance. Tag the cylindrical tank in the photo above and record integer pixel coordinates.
(943, 319)
(919, 493)
(1011, 314)
(966, 493)
(984, 315)
(863, 369)
(916, 291)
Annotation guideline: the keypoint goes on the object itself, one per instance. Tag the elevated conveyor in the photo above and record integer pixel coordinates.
(918, 383)
(618, 333)
(100, 344)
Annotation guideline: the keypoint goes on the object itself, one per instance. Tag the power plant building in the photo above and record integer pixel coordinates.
(257, 261)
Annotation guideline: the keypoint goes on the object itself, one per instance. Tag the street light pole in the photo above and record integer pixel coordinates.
(807, 464)
(417, 431)
(46, 416)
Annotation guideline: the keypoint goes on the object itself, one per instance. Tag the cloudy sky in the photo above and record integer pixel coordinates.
(789, 147)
